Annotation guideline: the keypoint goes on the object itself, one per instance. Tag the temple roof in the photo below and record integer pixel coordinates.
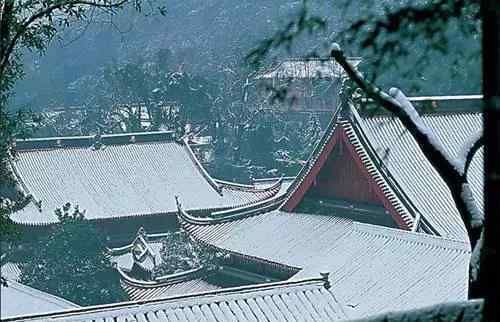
(372, 268)
(119, 176)
(18, 299)
(395, 163)
(305, 300)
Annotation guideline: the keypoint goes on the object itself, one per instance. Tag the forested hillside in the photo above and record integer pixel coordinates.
(209, 39)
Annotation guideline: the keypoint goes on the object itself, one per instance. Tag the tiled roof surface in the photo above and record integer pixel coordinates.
(415, 175)
(121, 180)
(142, 292)
(18, 299)
(285, 301)
(372, 268)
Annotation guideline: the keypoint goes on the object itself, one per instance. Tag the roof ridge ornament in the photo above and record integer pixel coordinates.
(325, 276)
(98, 142)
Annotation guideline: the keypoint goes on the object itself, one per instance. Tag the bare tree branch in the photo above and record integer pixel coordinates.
(45, 12)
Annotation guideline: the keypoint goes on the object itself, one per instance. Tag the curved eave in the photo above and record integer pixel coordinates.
(274, 187)
(163, 280)
(232, 214)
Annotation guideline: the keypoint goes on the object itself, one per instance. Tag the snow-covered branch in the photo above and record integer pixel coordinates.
(473, 144)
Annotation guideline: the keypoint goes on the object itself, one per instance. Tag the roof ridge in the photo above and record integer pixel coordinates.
(80, 141)
(411, 236)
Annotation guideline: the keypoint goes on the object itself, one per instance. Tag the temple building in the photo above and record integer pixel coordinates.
(122, 182)
(367, 227)
(312, 84)
(369, 168)
(385, 242)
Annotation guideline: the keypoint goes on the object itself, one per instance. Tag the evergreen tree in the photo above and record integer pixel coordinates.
(71, 262)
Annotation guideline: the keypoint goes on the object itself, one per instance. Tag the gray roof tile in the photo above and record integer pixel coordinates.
(416, 176)
(305, 300)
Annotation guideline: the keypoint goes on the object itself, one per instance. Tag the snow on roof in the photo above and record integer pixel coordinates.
(140, 291)
(18, 299)
(141, 288)
(372, 268)
(415, 175)
(125, 175)
(393, 158)
(307, 68)
(305, 300)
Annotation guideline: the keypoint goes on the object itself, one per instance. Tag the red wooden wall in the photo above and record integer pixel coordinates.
(341, 178)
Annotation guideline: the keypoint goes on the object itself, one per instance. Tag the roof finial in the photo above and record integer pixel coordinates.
(325, 276)
(141, 232)
(97, 141)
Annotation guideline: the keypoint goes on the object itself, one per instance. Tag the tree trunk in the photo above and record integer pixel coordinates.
(488, 283)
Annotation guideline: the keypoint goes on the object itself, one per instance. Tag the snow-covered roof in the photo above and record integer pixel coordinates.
(415, 175)
(143, 246)
(149, 287)
(120, 176)
(195, 281)
(305, 300)
(399, 168)
(372, 268)
(18, 300)
(307, 68)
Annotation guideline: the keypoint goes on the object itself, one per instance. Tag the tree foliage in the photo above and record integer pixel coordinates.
(71, 262)
(180, 253)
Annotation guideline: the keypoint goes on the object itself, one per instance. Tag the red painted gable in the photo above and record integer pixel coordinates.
(341, 178)
(339, 173)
